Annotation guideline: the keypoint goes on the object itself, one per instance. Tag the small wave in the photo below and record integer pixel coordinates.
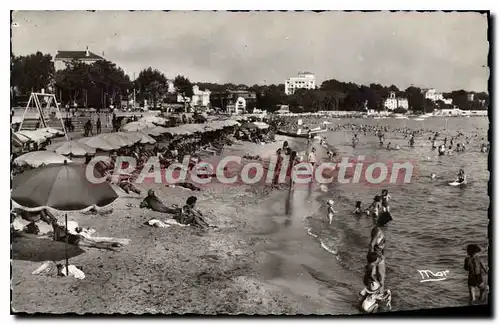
(310, 233)
(330, 250)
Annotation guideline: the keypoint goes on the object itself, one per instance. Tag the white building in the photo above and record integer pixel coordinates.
(392, 102)
(433, 95)
(63, 57)
(170, 85)
(200, 97)
(238, 107)
(305, 80)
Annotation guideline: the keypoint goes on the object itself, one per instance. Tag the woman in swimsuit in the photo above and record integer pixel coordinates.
(476, 269)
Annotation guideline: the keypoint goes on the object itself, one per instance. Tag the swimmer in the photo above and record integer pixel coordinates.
(389, 146)
(357, 209)
(374, 208)
(331, 211)
(441, 150)
(385, 200)
(433, 176)
(461, 177)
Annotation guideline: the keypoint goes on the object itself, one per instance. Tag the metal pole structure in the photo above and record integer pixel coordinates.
(66, 244)
(40, 109)
(24, 114)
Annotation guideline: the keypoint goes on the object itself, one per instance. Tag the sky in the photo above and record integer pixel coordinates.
(446, 51)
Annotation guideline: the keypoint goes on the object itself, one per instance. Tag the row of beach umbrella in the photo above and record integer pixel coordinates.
(185, 129)
(56, 153)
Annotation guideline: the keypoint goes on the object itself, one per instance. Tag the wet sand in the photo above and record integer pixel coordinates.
(256, 263)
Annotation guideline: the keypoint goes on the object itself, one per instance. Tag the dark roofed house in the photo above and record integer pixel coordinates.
(62, 57)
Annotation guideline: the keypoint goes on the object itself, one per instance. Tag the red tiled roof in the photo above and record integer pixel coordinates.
(78, 55)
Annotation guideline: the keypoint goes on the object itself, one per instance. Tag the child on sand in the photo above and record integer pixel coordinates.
(331, 211)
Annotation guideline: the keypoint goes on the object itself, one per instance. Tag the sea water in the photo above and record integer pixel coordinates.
(433, 222)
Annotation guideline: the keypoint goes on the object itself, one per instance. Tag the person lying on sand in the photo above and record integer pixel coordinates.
(74, 234)
(154, 203)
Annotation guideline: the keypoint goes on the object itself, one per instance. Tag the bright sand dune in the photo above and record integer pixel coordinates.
(171, 270)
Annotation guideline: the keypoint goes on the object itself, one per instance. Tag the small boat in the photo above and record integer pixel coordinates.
(300, 133)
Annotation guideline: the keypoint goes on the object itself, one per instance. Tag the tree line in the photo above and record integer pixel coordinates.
(103, 84)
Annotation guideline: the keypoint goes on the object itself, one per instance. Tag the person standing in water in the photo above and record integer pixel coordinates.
(385, 200)
(331, 211)
(412, 140)
(375, 270)
(476, 270)
(374, 208)
(357, 209)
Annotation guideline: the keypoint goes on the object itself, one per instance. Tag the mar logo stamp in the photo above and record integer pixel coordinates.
(429, 276)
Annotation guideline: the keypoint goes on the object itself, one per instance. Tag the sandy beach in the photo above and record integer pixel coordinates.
(176, 269)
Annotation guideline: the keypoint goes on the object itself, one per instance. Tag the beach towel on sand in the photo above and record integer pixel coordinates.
(49, 268)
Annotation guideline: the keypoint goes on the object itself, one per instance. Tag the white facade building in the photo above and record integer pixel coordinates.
(200, 97)
(392, 102)
(433, 95)
(305, 80)
(171, 87)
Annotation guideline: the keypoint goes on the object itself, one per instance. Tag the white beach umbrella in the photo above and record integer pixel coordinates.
(99, 143)
(154, 119)
(137, 126)
(74, 148)
(38, 158)
(144, 138)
